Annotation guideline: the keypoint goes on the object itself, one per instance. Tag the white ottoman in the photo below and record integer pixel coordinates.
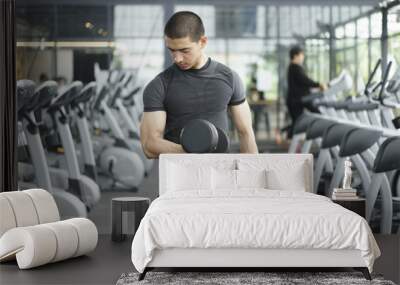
(31, 233)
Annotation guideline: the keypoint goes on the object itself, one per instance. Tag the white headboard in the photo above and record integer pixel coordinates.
(230, 160)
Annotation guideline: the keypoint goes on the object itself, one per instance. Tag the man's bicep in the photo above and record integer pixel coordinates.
(241, 116)
(153, 124)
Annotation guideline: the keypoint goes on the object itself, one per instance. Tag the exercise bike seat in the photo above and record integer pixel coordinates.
(302, 123)
(388, 156)
(362, 106)
(333, 134)
(358, 140)
(317, 127)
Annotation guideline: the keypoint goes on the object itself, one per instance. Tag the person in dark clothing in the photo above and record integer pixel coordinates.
(299, 85)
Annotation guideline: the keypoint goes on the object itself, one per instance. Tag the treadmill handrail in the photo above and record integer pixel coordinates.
(362, 106)
(371, 76)
(385, 78)
(386, 132)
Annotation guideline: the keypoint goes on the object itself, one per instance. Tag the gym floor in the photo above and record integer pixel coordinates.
(110, 259)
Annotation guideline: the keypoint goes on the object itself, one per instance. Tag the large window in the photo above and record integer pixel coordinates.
(394, 20)
(236, 21)
(363, 49)
(317, 60)
(376, 25)
(139, 43)
(394, 36)
(138, 21)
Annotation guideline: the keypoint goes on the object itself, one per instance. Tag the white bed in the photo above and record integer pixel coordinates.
(198, 223)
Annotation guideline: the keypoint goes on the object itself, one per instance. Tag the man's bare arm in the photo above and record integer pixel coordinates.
(152, 135)
(241, 116)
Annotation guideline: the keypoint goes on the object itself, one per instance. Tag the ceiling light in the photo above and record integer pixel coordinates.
(89, 25)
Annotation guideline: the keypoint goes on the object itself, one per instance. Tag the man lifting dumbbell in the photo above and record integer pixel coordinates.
(194, 87)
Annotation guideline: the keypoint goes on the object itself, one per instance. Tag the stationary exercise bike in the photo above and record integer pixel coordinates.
(30, 101)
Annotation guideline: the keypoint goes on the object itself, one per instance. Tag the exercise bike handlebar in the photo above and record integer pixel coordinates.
(116, 94)
(45, 94)
(86, 93)
(132, 94)
(100, 97)
(66, 95)
(127, 79)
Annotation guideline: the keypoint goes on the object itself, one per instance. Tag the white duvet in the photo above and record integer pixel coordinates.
(250, 218)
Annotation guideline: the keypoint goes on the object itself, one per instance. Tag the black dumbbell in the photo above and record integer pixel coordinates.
(201, 136)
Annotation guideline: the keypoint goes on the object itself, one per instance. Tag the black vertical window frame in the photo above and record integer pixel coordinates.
(8, 119)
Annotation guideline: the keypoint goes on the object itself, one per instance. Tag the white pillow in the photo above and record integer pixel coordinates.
(182, 178)
(282, 174)
(278, 180)
(251, 178)
(224, 179)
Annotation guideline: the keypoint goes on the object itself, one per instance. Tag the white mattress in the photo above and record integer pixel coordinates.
(252, 218)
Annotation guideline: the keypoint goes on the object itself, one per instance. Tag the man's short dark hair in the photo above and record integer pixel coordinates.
(296, 50)
(184, 24)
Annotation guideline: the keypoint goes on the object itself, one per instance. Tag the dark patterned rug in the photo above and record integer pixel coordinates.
(243, 278)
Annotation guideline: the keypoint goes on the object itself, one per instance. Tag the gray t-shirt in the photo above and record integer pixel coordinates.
(194, 94)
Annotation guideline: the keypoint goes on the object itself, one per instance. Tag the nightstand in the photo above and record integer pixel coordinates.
(355, 205)
(138, 205)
